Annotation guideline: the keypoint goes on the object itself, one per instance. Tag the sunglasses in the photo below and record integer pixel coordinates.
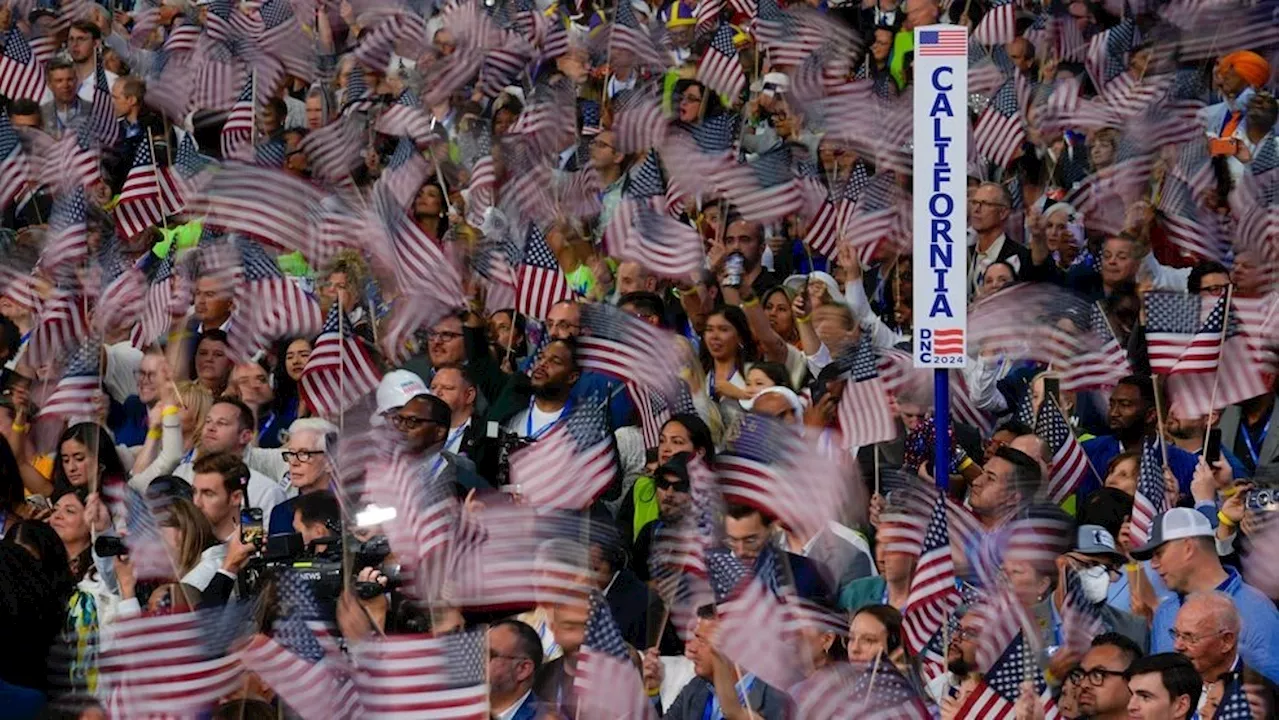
(664, 484)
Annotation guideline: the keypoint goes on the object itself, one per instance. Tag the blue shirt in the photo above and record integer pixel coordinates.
(1259, 625)
(1118, 595)
(592, 383)
(1102, 450)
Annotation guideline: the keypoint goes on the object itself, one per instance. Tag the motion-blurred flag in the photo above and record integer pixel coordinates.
(607, 683)
(570, 466)
(933, 587)
(1069, 464)
(1149, 501)
(73, 397)
(21, 73)
(864, 406)
(540, 283)
(340, 370)
(406, 677)
(139, 206)
(720, 69)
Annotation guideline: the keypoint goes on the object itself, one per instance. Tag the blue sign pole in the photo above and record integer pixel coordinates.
(942, 428)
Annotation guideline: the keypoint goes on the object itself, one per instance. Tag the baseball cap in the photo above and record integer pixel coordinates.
(796, 283)
(1175, 524)
(1096, 540)
(397, 388)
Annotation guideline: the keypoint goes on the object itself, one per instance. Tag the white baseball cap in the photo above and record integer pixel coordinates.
(1174, 524)
(397, 388)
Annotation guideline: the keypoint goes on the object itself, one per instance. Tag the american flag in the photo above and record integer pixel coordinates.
(1185, 224)
(540, 283)
(63, 323)
(1000, 687)
(943, 43)
(843, 690)
(68, 243)
(770, 467)
(269, 306)
(1179, 338)
(769, 190)
(933, 587)
(651, 237)
(122, 302)
(405, 677)
(707, 15)
(159, 664)
(184, 177)
(157, 311)
(301, 659)
(102, 112)
(406, 118)
(139, 206)
(1103, 364)
(625, 347)
(864, 407)
(420, 265)
(73, 397)
(878, 214)
(21, 73)
(262, 203)
(1080, 620)
(144, 541)
(426, 513)
(654, 410)
(997, 26)
(717, 134)
(334, 150)
(828, 225)
(789, 36)
(720, 69)
(283, 37)
(639, 123)
(340, 370)
(998, 133)
(770, 649)
(570, 467)
(1069, 464)
(14, 168)
(1149, 501)
(607, 683)
(356, 96)
(237, 131)
(628, 36)
(1105, 57)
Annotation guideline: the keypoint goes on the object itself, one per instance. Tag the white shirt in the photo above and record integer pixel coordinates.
(536, 427)
(210, 561)
(85, 91)
(120, 377)
(515, 707)
(264, 493)
(982, 259)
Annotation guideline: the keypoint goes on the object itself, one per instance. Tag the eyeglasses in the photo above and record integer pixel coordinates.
(442, 335)
(407, 422)
(1096, 676)
(966, 634)
(495, 656)
(1214, 289)
(302, 456)
(1191, 638)
(691, 99)
(563, 325)
(983, 204)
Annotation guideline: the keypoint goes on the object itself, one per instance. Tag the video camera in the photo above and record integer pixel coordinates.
(508, 444)
(319, 564)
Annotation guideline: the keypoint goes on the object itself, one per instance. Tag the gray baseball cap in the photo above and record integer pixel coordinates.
(1096, 540)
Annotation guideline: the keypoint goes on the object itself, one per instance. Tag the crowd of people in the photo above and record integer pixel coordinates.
(534, 359)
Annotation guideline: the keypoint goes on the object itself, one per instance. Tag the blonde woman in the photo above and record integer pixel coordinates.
(173, 434)
(193, 548)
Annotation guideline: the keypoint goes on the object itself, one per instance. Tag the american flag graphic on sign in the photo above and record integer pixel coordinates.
(943, 43)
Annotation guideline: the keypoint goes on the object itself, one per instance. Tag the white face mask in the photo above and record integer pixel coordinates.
(1094, 583)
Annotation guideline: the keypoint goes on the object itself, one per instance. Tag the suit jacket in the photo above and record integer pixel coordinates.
(1268, 454)
(554, 687)
(766, 702)
(530, 709)
(632, 604)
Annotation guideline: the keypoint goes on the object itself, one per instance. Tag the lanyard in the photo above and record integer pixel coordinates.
(711, 711)
(267, 424)
(528, 422)
(1248, 440)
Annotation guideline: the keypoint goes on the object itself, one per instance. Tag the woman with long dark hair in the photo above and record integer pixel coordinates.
(86, 458)
(727, 347)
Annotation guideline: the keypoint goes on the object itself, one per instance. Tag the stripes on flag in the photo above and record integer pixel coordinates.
(864, 405)
(269, 306)
(139, 205)
(340, 370)
(237, 130)
(15, 170)
(933, 593)
(21, 72)
(262, 203)
(1069, 464)
(607, 683)
(540, 283)
(1181, 338)
(102, 111)
(406, 677)
(73, 396)
(572, 465)
(999, 133)
(721, 69)
(770, 650)
(1149, 501)
(997, 26)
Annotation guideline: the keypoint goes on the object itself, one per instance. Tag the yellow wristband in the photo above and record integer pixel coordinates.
(169, 410)
(19, 428)
(966, 463)
(1229, 491)
(1222, 518)
(155, 434)
(655, 692)
(802, 318)
(753, 301)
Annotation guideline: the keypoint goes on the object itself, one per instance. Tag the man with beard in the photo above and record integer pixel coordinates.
(962, 657)
(515, 655)
(531, 409)
(1104, 692)
(1188, 433)
(673, 492)
(1131, 415)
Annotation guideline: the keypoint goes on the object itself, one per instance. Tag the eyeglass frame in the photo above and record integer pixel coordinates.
(303, 456)
(1097, 677)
